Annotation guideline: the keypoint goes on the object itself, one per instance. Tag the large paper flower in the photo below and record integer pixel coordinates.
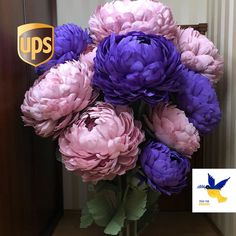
(103, 143)
(121, 17)
(198, 99)
(199, 54)
(171, 126)
(70, 42)
(166, 170)
(58, 96)
(137, 66)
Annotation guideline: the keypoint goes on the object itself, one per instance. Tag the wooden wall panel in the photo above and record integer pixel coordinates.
(15, 152)
(30, 176)
(48, 203)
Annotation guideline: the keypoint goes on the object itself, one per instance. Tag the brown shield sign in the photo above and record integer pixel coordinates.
(35, 43)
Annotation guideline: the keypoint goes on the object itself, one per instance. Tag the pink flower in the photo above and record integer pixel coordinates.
(172, 127)
(58, 96)
(103, 143)
(200, 54)
(121, 17)
(88, 56)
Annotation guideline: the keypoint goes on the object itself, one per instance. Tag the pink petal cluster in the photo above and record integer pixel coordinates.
(103, 143)
(88, 56)
(199, 54)
(172, 127)
(121, 17)
(58, 96)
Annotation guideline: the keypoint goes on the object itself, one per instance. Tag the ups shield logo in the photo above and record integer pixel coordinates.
(35, 43)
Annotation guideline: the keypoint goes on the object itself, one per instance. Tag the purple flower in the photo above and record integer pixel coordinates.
(70, 42)
(166, 170)
(198, 99)
(137, 66)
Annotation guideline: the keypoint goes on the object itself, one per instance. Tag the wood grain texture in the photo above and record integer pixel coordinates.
(30, 177)
(202, 27)
(47, 175)
(15, 151)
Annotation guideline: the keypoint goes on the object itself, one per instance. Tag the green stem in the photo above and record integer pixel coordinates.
(141, 110)
(125, 194)
(120, 188)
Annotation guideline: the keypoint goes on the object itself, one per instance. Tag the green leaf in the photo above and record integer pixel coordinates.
(135, 204)
(147, 218)
(152, 198)
(86, 218)
(152, 209)
(101, 209)
(116, 223)
(91, 188)
(106, 186)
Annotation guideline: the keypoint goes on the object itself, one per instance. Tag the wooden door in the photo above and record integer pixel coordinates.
(30, 176)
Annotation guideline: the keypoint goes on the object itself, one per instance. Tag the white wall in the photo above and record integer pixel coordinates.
(188, 11)
(78, 11)
(220, 147)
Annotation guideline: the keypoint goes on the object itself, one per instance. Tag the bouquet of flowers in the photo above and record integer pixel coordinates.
(127, 100)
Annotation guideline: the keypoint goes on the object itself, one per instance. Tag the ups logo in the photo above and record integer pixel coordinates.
(35, 43)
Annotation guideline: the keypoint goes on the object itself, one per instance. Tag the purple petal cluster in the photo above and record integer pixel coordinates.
(70, 42)
(137, 66)
(88, 95)
(198, 99)
(165, 169)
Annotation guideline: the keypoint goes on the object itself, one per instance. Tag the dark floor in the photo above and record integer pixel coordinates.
(166, 224)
